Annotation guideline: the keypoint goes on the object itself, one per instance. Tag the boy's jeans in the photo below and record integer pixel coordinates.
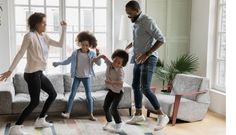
(142, 77)
(87, 85)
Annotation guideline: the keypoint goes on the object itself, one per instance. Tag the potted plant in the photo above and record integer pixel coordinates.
(186, 63)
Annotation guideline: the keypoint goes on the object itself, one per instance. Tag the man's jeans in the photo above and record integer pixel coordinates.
(142, 77)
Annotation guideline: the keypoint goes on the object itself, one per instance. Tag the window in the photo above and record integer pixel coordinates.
(80, 15)
(220, 56)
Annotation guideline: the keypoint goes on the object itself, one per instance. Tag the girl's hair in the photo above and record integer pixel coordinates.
(34, 19)
(87, 36)
(122, 54)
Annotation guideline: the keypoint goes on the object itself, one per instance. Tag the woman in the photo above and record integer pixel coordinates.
(36, 43)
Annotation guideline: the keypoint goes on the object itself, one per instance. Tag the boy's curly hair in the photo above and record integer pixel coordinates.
(87, 36)
(122, 54)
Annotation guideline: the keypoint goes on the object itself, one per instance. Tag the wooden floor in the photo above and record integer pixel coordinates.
(213, 124)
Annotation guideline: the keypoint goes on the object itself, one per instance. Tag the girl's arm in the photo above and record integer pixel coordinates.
(61, 41)
(102, 57)
(65, 62)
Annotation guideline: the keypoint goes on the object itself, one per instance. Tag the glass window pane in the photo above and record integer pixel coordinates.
(22, 2)
(221, 74)
(223, 46)
(50, 68)
(72, 19)
(21, 66)
(100, 3)
(53, 22)
(21, 16)
(19, 40)
(223, 19)
(37, 9)
(86, 19)
(54, 51)
(52, 2)
(101, 39)
(86, 3)
(100, 20)
(72, 2)
(37, 2)
(70, 44)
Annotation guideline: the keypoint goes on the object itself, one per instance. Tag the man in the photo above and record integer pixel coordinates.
(144, 59)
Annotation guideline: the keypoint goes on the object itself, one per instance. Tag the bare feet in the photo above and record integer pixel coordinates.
(65, 115)
(92, 118)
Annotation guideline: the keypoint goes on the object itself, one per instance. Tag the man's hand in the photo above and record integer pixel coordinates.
(4, 76)
(141, 58)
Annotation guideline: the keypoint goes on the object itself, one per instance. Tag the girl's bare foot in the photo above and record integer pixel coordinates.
(92, 118)
(65, 115)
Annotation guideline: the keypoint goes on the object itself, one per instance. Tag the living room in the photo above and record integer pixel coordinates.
(182, 68)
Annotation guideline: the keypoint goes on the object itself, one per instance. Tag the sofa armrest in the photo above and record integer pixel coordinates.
(7, 94)
(192, 93)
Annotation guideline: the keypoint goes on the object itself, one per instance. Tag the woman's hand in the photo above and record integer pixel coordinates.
(63, 23)
(4, 76)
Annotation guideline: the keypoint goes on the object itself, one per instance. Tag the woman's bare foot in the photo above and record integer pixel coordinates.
(92, 118)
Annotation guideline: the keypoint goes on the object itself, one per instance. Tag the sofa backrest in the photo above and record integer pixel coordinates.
(98, 82)
(21, 85)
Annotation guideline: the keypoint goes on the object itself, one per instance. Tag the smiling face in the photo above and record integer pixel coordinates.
(84, 45)
(117, 62)
(132, 14)
(41, 27)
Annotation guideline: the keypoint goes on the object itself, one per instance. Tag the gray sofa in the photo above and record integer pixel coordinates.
(14, 95)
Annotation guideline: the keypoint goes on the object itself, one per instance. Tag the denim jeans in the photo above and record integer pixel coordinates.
(142, 77)
(87, 85)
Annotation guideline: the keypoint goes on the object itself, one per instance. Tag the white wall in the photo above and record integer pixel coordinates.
(118, 11)
(202, 45)
(4, 38)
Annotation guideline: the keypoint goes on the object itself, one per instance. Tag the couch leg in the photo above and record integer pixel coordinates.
(130, 111)
(148, 113)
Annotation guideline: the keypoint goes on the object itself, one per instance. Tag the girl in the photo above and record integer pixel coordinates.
(81, 70)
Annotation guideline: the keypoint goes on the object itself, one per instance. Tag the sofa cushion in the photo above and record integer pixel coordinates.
(98, 82)
(21, 100)
(21, 85)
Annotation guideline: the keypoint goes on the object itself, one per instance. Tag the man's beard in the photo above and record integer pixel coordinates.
(134, 19)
